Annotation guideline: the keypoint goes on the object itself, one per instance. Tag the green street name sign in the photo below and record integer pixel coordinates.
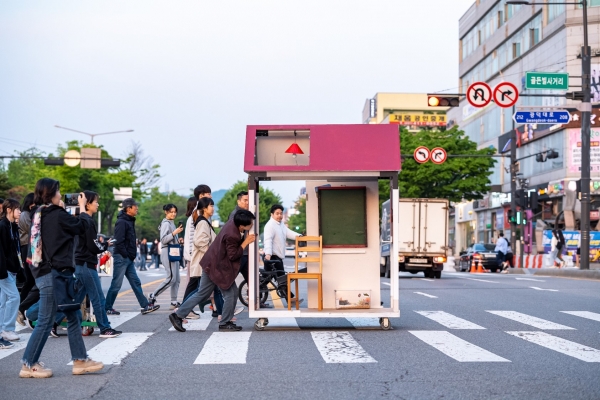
(547, 80)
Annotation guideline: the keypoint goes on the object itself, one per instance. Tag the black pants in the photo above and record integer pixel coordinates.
(276, 264)
(244, 267)
(29, 279)
(191, 287)
(32, 297)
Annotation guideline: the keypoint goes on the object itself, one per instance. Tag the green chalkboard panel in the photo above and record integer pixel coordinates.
(343, 216)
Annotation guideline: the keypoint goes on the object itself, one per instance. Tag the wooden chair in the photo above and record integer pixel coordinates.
(308, 275)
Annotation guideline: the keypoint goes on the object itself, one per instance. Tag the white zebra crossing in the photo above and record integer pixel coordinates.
(19, 345)
(449, 320)
(584, 314)
(196, 324)
(530, 320)
(340, 348)
(457, 348)
(564, 346)
(113, 351)
(225, 348)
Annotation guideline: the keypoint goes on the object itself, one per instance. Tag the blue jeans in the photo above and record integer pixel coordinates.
(93, 288)
(9, 302)
(156, 260)
(216, 294)
(46, 314)
(123, 267)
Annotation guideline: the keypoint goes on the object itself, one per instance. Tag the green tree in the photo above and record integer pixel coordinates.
(267, 198)
(297, 222)
(151, 213)
(458, 178)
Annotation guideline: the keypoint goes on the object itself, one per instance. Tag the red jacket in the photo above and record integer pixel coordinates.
(222, 260)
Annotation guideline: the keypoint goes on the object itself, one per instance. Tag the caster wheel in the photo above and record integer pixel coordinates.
(87, 330)
(385, 323)
(266, 321)
(259, 325)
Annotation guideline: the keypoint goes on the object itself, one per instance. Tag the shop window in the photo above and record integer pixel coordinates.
(343, 216)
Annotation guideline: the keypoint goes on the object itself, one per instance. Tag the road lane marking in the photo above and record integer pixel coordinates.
(372, 322)
(426, 295)
(529, 279)
(128, 291)
(548, 290)
(340, 348)
(584, 314)
(457, 348)
(116, 320)
(277, 302)
(225, 348)
(18, 345)
(196, 324)
(564, 346)
(283, 322)
(386, 284)
(114, 350)
(480, 280)
(449, 320)
(428, 280)
(529, 320)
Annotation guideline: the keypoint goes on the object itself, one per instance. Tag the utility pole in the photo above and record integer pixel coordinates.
(586, 110)
(513, 185)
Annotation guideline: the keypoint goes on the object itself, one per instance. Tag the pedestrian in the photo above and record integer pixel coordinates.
(123, 256)
(4, 344)
(200, 192)
(556, 247)
(24, 228)
(1, 202)
(508, 260)
(9, 267)
(188, 238)
(53, 231)
(169, 237)
(143, 254)
(154, 254)
(86, 259)
(275, 235)
(204, 235)
(501, 250)
(220, 267)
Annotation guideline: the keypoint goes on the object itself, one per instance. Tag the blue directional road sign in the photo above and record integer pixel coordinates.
(542, 117)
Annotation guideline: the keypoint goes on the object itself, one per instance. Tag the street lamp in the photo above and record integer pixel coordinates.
(92, 135)
(586, 110)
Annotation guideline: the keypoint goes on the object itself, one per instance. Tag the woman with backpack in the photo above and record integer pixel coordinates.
(52, 232)
(557, 245)
(169, 237)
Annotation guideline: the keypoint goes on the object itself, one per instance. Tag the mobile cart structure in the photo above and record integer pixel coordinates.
(341, 165)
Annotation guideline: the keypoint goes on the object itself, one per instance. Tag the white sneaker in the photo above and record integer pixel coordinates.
(239, 310)
(10, 336)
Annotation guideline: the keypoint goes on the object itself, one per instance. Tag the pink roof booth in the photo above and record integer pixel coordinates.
(331, 159)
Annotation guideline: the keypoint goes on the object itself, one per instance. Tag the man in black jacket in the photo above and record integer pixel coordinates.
(124, 254)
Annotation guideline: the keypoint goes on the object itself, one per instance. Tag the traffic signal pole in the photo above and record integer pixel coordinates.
(586, 109)
(513, 185)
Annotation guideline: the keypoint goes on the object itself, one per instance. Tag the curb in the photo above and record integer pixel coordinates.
(560, 273)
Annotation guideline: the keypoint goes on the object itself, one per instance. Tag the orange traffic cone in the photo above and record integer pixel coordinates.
(473, 267)
(480, 269)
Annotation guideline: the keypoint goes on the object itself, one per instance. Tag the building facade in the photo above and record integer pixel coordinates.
(500, 43)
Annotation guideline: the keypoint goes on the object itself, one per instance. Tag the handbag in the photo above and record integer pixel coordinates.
(175, 252)
(66, 288)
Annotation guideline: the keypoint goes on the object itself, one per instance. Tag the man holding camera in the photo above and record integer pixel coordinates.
(124, 254)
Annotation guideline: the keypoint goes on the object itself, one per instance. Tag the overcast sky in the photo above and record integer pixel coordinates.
(189, 76)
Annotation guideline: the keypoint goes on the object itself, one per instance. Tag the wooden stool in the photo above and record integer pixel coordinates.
(308, 275)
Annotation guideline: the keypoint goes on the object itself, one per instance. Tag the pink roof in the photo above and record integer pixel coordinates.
(360, 147)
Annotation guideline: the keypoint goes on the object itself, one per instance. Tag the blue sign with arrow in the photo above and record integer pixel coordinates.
(542, 117)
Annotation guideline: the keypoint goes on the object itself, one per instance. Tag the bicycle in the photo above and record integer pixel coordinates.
(268, 281)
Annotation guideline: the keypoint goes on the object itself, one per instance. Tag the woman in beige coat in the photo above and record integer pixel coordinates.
(204, 235)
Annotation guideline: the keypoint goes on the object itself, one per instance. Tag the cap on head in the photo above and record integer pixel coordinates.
(129, 203)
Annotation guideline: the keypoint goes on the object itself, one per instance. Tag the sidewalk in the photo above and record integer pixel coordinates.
(573, 273)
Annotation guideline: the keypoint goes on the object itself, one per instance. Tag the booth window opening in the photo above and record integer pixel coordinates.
(343, 216)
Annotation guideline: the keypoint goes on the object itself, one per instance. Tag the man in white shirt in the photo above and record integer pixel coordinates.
(275, 235)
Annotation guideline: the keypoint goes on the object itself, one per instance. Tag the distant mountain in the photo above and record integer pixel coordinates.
(217, 196)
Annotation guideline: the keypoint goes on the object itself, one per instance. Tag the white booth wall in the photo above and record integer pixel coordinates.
(346, 268)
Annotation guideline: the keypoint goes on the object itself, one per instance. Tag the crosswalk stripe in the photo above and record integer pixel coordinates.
(225, 348)
(196, 324)
(19, 345)
(114, 350)
(116, 320)
(426, 295)
(584, 314)
(529, 320)
(284, 322)
(340, 348)
(457, 348)
(19, 328)
(449, 320)
(358, 323)
(564, 346)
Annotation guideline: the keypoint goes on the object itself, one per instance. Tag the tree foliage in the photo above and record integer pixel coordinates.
(297, 222)
(267, 198)
(151, 213)
(458, 178)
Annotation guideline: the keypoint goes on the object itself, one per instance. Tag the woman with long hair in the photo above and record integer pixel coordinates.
(169, 236)
(24, 228)
(52, 232)
(187, 238)
(10, 266)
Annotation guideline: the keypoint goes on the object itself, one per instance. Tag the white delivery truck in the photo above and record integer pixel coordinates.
(423, 236)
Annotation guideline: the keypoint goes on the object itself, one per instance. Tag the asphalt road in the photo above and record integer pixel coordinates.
(466, 336)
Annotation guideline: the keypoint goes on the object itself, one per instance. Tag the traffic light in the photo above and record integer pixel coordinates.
(552, 154)
(521, 198)
(519, 218)
(533, 201)
(442, 101)
(511, 217)
(542, 157)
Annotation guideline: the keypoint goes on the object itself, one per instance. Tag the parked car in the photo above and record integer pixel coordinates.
(481, 253)
(290, 251)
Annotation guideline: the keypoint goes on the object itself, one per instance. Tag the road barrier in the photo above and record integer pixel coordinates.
(539, 261)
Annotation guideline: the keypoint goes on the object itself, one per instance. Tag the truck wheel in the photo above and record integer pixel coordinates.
(387, 267)
(428, 273)
(437, 274)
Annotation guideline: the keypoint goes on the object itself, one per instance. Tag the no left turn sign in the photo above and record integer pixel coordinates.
(421, 154)
(438, 155)
(479, 94)
(506, 94)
